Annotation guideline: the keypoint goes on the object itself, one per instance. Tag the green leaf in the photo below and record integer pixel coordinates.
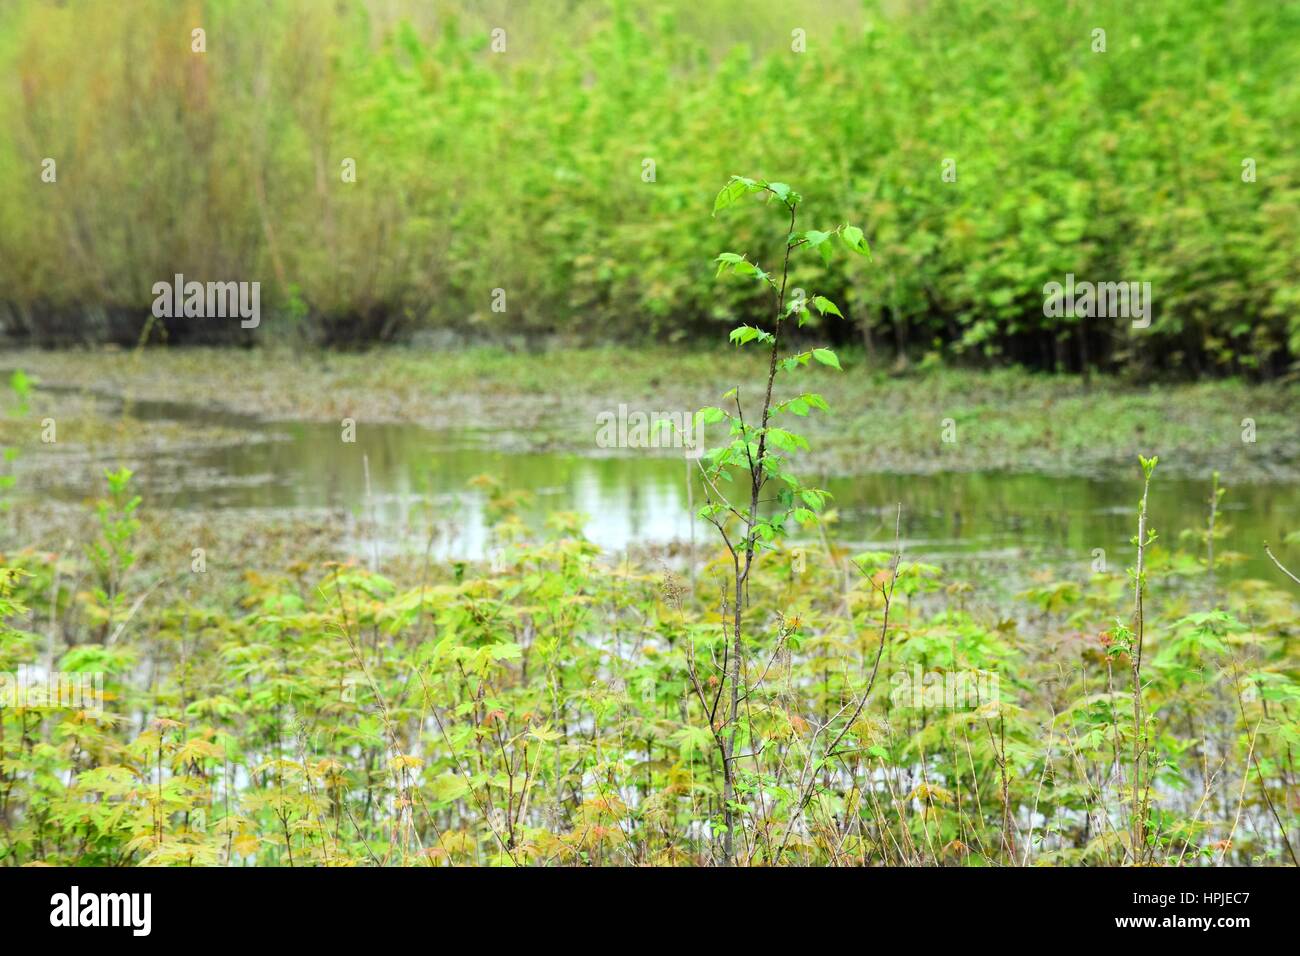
(748, 333)
(826, 357)
(816, 239)
(813, 498)
(20, 383)
(785, 440)
(796, 405)
(826, 306)
(735, 188)
(853, 238)
(727, 260)
(783, 193)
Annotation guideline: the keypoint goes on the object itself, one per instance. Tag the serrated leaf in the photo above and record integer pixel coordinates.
(827, 357)
(853, 238)
(826, 306)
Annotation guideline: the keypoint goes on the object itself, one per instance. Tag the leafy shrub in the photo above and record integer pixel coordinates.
(523, 170)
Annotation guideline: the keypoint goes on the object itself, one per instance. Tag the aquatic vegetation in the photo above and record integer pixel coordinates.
(556, 709)
(786, 700)
(808, 686)
(1055, 424)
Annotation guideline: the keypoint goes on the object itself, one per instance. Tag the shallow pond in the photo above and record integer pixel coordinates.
(418, 479)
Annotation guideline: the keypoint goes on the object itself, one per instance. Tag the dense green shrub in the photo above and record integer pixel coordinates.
(523, 170)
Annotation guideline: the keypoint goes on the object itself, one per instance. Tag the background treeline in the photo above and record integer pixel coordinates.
(525, 170)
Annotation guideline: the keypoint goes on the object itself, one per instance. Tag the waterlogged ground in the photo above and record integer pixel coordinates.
(1042, 470)
(316, 694)
(1005, 420)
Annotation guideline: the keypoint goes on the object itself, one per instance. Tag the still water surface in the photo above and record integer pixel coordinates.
(419, 476)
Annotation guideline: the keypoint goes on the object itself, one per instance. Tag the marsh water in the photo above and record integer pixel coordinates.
(402, 486)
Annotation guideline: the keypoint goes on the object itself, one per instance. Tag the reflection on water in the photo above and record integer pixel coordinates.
(419, 478)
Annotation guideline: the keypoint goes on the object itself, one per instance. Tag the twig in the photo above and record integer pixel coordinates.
(1280, 565)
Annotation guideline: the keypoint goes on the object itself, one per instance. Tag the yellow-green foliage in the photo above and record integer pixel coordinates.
(554, 710)
(522, 170)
